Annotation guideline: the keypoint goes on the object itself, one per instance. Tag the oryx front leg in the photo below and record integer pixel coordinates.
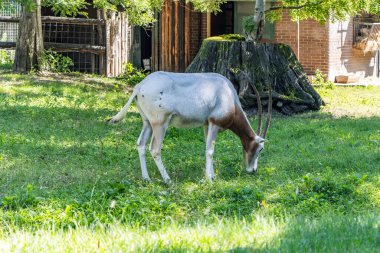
(145, 135)
(210, 146)
(159, 131)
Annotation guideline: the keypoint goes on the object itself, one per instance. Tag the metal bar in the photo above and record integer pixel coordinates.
(8, 45)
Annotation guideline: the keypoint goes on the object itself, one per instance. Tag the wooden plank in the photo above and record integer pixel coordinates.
(122, 39)
(108, 48)
(92, 43)
(67, 47)
(175, 38)
(163, 36)
(9, 19)
(181, 36)
(170, 37)
(8, 45)
(102, 70)
(77, 21)
(119, 46)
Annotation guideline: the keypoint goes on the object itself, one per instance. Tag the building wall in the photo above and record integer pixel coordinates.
(313, 42)
(198, 32)
(343, 58)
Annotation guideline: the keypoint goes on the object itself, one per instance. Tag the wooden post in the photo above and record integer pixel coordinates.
(108, 45)
(102, 57)
(92, 43)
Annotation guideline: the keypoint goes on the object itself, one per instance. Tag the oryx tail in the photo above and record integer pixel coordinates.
(123, 112)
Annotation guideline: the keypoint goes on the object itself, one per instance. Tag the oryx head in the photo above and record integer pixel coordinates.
(251, 156)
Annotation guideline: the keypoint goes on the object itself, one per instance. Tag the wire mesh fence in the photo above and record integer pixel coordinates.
(9, 31)
(84, 62)
(71, 33)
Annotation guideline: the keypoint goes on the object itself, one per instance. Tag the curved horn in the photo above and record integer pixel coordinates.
(269, 115)
(259, 105)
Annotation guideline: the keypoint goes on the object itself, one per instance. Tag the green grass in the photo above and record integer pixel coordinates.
(69, 182)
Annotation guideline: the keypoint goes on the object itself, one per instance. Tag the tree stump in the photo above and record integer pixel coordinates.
(265, 64)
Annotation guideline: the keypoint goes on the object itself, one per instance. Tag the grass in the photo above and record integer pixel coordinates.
(71, 183)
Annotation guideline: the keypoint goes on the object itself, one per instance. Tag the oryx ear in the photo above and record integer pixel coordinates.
(258, 139)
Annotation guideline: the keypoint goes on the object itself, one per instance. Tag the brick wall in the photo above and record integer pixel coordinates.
(313, 43)
(343, 59)
(198, 32)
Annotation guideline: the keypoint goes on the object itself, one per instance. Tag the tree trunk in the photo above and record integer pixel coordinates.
(265, 64)
(29, 46)
(258, 22)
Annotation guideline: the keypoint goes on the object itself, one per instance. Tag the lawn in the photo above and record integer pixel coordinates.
(69, 182)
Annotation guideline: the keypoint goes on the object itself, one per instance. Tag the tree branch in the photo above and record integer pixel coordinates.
(274, 8)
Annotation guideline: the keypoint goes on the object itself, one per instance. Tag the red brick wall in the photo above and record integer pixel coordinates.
(313, 42)
(198, 32)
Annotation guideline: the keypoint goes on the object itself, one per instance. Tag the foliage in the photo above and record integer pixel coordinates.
(52, 61)
(67, 8)
(132, 75)
(67, 177)
(139, 12)
(6, 57)
(322, 81)
(248, 24)
(323, 10)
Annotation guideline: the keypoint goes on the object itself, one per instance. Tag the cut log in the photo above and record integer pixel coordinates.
(265, 64)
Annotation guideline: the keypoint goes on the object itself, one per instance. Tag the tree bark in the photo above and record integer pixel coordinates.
(265, 64)
(258, 22)
(29, 46)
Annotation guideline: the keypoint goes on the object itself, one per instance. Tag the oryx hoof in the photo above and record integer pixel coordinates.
(147, 180)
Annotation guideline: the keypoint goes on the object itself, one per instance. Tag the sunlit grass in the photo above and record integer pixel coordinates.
(69, 182)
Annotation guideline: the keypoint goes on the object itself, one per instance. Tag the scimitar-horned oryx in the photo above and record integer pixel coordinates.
(192, 100)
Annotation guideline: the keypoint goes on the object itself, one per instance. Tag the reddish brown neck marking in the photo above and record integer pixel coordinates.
(241, 127)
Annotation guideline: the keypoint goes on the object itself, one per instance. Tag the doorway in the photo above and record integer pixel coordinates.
(223, 22)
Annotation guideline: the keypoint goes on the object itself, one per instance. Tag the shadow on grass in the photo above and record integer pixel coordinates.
(63, 81)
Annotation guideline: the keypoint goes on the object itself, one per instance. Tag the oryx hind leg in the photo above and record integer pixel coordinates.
(159, 130)
(145, 136)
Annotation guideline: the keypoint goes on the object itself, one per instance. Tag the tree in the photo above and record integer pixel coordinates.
(29, 45)
(319, 10)
(141, 12)
(248, 64)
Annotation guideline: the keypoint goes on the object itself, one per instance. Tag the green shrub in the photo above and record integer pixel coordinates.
(54, 62)
(321, 80)
(248, 24)
(131, 75)
(6, 58)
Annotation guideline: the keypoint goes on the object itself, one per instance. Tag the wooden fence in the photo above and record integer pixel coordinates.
(108, 39)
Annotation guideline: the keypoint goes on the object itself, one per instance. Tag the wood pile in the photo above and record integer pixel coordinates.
(369, 39)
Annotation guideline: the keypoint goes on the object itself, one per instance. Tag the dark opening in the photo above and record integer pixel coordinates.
(146, 47)
(223, 22)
